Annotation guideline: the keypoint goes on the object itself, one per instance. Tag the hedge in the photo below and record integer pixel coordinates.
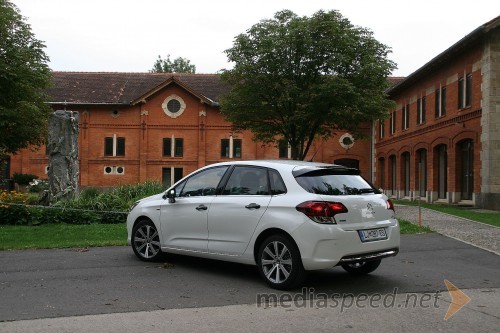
(18, 214)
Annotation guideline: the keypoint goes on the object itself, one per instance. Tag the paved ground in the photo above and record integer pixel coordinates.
(108, 289)
(478, 234)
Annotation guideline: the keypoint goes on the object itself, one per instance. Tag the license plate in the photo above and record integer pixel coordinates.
(372, 234)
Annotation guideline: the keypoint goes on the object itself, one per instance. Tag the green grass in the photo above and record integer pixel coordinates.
(490, 217)
(50, 236)
(410, 228)
(56, 236)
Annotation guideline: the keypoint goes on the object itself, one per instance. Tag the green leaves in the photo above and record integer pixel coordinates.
(24, 77)
(299, 77)
(179, 65)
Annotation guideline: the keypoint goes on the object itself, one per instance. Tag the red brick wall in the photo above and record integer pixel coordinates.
(450, 129)
(201, 126)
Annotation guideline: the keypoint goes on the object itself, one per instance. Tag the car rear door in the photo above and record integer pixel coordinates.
(236, 212)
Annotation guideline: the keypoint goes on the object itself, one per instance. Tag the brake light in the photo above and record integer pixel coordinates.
(322, 211)
(390, 205)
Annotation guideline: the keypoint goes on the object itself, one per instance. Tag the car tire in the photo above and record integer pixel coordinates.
(279, 262)
(146, 241)
(363, 267)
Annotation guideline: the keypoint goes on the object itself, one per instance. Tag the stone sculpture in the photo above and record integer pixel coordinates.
(62, 148)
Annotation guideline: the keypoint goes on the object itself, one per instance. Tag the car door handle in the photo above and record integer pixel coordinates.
(201, 207)
(252, 206)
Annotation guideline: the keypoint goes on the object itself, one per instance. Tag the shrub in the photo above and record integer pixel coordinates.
(38, 185)
(116, 199)
(23, 178)
(15, 214)
(93, 206)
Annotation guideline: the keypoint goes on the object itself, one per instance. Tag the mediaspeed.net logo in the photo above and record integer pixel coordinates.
(346, 301)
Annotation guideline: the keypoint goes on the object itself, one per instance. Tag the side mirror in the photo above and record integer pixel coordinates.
(171, 195)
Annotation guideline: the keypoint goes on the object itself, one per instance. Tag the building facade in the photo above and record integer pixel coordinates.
(442, 141)
(154, 126)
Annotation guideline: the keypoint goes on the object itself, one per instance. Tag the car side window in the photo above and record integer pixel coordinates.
(247, 181)
(277, 184)
(203, 183)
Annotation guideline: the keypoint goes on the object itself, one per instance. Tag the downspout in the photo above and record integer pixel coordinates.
(372, 148)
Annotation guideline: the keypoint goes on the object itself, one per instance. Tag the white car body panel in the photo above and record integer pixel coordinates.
(183, 226)
(232, 225)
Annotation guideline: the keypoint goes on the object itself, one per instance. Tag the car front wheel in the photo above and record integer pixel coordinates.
(146, 241)
(362, 268)
(279, 263)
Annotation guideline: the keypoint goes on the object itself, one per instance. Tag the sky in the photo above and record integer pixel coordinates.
(128, 35)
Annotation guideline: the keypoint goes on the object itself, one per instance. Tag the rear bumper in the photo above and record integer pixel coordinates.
(368, 256)
(326, 246)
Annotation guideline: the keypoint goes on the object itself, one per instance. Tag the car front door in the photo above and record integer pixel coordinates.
(184, 222)
(234, 215)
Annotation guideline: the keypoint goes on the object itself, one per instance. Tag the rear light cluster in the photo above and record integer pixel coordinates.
(322, 211)
(390, 205)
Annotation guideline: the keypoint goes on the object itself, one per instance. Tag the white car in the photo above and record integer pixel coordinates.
(286, 217)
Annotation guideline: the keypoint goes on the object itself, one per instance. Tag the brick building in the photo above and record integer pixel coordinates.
(442, 141)
(142, 126)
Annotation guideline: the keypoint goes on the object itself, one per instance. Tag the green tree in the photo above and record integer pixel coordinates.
(179, 65)
(24, 78)
(297, 78)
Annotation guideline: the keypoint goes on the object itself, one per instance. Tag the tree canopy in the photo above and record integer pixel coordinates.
(179, 65)
(297, 78)
(24, 78)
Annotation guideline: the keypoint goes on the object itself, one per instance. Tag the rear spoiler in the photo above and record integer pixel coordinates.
(327, 170)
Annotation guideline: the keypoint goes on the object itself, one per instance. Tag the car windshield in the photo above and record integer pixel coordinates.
(330, 182)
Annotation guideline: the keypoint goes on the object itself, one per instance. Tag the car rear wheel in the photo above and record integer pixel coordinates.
(363, 267)
(279, 263)
(146, 241)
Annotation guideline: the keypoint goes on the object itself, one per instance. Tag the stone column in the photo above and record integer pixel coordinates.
(63, 155)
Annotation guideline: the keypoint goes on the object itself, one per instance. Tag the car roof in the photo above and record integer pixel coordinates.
(284, 164)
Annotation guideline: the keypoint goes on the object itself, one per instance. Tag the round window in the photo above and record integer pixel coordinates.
(346, 141)
(173, 106)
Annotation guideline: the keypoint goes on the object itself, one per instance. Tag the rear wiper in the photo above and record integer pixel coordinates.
(366, 190)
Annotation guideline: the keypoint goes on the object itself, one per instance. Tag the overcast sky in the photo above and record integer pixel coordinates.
(128, 35)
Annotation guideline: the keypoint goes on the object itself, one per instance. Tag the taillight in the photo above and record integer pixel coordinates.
(322, 211)
(390, 205)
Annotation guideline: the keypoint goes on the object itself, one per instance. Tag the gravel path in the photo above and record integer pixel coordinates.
(478, 234)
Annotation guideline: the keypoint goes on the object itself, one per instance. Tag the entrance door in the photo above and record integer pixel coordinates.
(442, 172)
(467, 173)
(347, 162)
(406, 161)
(422, 165)
(381, 172)
(392, 163)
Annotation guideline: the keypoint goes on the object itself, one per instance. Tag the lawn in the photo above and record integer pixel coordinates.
(488, 217)
(410, 228)
(51, 236)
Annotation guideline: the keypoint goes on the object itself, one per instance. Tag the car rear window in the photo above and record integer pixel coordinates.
(334, 182)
